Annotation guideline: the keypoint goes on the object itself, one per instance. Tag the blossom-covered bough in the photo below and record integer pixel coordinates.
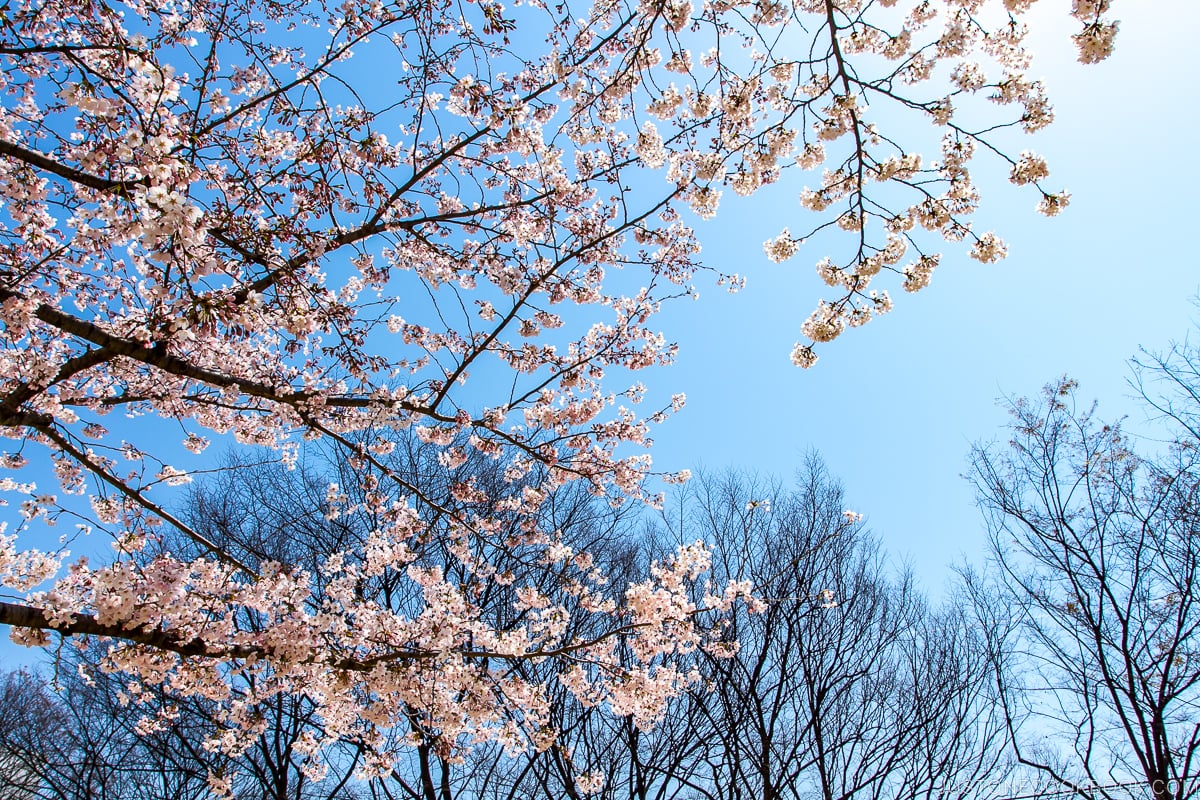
(278, 221)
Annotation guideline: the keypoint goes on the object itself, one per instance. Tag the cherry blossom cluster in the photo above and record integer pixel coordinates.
(841, 109)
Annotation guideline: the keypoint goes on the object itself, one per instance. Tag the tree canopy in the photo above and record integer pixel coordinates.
(278, 222)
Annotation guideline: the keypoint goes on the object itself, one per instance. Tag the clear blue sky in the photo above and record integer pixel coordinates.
(894, 407)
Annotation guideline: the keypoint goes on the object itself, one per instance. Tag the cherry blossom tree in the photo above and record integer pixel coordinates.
(284, 220)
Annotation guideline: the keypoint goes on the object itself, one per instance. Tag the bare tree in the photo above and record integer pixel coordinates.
(847, 684)
(29, 720)
(75, 738)
(1093, 610)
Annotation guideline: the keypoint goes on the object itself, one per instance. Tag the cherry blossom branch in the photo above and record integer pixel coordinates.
(26, 616)
(90, 463)
(82, 624)
(70, 173)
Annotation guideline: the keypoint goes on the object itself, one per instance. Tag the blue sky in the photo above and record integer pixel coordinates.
(894, 407)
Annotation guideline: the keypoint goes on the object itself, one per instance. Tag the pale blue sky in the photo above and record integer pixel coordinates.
(894, 407)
